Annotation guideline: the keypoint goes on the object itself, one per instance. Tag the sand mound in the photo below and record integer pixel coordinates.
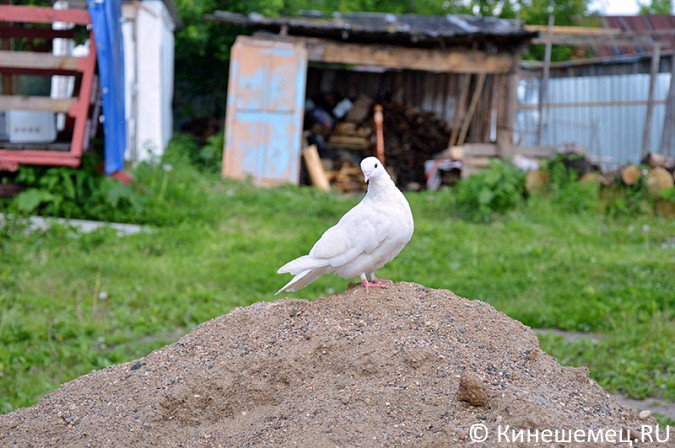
(402, 366)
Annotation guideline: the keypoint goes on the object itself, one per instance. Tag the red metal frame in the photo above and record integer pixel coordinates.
(10, 159)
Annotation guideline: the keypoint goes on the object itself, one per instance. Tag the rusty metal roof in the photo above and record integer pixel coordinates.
(399, 29)
(659, 24)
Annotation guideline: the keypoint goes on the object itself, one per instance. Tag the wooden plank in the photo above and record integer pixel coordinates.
(592, 40)
(479, 150)
(505, 128)
(535, 151)
(654, 69)
(11, 159)
(13, 13)
(591, 104)
(573, 30)
(454, 60)
(459, 110)
(315, 168)
(472, 108)
(667, 146)
(544, 81)
(37, 61)
(603, 32)
(42, 103)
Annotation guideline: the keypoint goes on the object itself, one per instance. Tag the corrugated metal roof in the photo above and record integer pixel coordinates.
(643, 23)
(402, 29)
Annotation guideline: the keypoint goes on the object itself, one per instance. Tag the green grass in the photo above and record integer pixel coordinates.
(70, 303)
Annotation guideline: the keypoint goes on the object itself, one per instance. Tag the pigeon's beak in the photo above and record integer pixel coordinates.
(366, 176)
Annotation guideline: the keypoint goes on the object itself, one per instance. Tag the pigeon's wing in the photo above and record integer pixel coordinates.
(360, 231)
(301, 264)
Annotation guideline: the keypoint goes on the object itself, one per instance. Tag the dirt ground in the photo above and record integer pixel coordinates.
(401, 366)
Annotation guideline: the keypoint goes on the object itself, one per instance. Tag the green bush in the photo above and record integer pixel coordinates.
(565, 190)
(497, 189)
(75, 193)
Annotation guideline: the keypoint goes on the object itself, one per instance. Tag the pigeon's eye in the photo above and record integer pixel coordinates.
(376, 165)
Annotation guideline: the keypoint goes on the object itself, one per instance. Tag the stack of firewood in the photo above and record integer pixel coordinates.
(411, 137)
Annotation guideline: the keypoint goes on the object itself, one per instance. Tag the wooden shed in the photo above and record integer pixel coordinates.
(464, 69)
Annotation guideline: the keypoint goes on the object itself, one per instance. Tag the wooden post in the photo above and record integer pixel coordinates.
(459, 110)
(379, 133)
(506, 116)
(667, 141)
(472, 108)
(654, 70)
(544, 78)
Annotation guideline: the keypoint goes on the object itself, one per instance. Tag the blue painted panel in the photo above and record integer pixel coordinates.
(106, 19)
(264, 115)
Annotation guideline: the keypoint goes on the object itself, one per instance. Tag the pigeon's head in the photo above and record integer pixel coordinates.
(372, 168)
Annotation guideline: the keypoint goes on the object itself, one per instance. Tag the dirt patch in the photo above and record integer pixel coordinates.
(356, 369)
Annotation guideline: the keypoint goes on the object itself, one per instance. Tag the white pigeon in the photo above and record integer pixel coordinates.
(366, 238)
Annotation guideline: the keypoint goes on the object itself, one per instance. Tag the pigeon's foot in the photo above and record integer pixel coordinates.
(377, 284)
(380, 281)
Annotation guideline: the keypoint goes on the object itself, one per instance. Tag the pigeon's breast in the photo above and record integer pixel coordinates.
(398, 234)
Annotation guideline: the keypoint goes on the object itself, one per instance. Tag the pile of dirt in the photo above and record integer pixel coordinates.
(401, 366)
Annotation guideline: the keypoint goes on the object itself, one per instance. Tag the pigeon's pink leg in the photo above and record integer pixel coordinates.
(366, 284)
(379, 281)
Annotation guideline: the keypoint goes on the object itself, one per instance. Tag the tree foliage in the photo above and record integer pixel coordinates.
(656, 7)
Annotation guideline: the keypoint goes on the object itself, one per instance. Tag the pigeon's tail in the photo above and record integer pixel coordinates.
(301, 264)
(302, 279)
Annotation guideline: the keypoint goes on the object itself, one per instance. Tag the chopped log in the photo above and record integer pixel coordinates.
(594, 178)
(344, 127)
(630, 174)
(349, 141)
(658, 180)
(411, 137)
(349, 179)
(315, 168)
(654, 160)
(536, 181)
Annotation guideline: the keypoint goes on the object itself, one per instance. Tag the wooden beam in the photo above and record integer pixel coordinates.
(654, 70)
(472, 108)
(13, 13)
(453, 60)
(544, 81)
(606, 32)
(20, 60)
(15, 102)
(459, 110)
(574, 30)
(563, 39)
(667, 146)
(590, 104)
(505, 129)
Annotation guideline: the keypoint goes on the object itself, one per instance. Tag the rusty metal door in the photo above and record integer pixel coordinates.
(265, 103)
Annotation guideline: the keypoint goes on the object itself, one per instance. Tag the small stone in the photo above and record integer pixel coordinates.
(644, 415)
(137, 365)
(472, 390)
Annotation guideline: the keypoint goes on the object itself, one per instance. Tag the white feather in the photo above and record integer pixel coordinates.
(366, 238)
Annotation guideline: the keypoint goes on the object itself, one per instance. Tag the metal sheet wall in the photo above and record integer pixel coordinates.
(611, 134)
